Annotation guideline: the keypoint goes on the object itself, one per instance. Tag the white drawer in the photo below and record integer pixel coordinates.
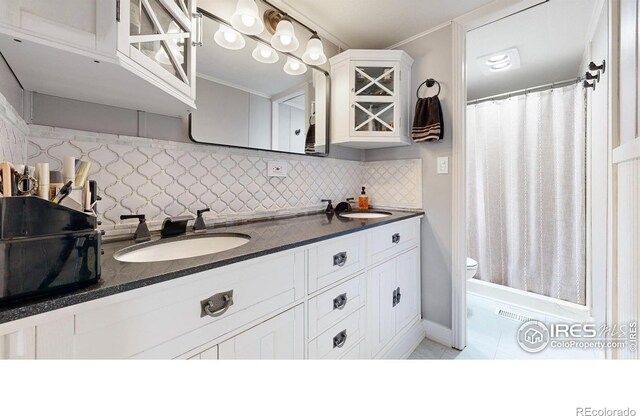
(356, 353)
(336, 259)
(336, 304)
(164, 312)
(340, 338)
(388, 240)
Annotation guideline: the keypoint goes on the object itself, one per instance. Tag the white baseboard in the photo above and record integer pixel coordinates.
(438, 333)
(405, 343)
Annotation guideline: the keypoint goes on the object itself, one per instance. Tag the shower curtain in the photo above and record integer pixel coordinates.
(526, 203)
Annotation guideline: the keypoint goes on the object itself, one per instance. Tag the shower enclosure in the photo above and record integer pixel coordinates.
(526, 191)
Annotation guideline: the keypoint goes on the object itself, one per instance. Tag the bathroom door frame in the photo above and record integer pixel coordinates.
(497, 10)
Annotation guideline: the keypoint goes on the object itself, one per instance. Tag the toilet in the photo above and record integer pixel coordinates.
(472, 268)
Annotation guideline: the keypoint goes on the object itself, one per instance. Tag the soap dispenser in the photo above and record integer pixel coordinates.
(363, 201)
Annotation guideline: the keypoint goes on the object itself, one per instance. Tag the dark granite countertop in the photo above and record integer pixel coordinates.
(267, 237)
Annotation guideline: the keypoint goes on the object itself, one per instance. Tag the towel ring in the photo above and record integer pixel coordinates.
(430, 82)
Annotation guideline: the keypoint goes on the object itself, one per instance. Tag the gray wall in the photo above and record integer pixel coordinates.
(433, 59)
(10, 87)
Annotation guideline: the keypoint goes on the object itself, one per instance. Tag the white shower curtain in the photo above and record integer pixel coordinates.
(526, 192)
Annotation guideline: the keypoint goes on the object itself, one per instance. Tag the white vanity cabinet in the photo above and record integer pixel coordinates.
(137, 54)
(370, 98)
(393, 299)
(326, 300)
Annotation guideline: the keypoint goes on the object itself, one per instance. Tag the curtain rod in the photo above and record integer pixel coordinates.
(525, 91)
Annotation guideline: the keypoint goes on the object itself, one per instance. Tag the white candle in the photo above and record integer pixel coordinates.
(69, 169)
(42, 174)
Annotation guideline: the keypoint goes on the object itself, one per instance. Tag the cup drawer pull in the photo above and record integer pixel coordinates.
(340, 339)
(217, 304)
(395, 239)
(340, 259)
(340, 301)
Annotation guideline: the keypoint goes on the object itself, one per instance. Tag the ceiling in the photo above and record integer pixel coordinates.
(550, 38)
(377, 24)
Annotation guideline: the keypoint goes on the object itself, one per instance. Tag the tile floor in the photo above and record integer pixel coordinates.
(490, 336)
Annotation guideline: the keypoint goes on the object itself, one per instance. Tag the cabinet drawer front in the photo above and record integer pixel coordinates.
(340, 338)
(356, 353)
(336, 304)
(158, 316)
(335, 259)
(388, 240)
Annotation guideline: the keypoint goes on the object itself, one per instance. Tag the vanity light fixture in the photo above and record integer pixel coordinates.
(285, 39)
(314, 53)
(265, 54)
(294, 67)
(229, 38)
(246, 18)
(499, 61)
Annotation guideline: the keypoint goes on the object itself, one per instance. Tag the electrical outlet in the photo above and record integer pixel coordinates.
(443, 165)
(277, 168)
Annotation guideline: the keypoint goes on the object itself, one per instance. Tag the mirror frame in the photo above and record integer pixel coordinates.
(327, 75)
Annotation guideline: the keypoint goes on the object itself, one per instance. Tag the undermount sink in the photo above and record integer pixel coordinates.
(183, 248)
(363, 215)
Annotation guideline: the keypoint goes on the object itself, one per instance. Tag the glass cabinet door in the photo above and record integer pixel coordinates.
(376, 81)
(161, 30)
(374, 99)
(374, 116)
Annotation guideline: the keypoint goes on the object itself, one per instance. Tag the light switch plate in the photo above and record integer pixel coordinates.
(277, 168)
(443, 165)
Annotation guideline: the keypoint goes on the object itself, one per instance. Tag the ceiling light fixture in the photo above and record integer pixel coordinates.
(285, 39)
(501, 66)
(314, 53)
(500, 61)
(265, 54)
(229, 38)
(294, 67)
(246, 18)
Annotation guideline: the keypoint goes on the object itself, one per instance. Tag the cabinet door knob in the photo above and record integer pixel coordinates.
(340, 339)
(340, 259)
(340, 302)
(217, 304)
(395, 239)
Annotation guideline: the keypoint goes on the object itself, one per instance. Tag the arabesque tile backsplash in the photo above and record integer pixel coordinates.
(161, 178)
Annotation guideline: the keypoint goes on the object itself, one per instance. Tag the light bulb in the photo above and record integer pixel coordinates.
(230, 36)
(248, 20)
(295, 65)
(314, 56)
(265, 53)
(286, 40)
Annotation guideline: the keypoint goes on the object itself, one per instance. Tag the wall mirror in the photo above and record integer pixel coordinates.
(250, 95)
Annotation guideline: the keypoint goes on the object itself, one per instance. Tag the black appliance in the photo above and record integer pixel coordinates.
(45, 249)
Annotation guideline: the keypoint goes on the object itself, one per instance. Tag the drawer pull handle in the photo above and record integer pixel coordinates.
(395, 298)
(340, 339)
(216, 305)
(340, 302)
(340, 259)
(398, 295)
(395, 239)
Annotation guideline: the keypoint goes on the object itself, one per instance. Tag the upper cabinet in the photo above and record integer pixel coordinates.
(370, 98)
(137, 54)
